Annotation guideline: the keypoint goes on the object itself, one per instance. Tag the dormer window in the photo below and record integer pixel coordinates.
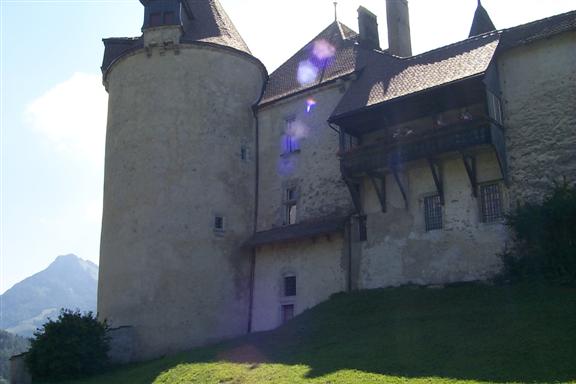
(155, 19)
(159, 13)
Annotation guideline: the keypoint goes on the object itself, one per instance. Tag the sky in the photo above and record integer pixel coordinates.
(53, 105)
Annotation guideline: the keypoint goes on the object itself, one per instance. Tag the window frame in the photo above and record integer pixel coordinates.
(488, 214)
(433, 215)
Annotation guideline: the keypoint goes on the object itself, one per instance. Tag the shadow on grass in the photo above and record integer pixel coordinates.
(496, 334)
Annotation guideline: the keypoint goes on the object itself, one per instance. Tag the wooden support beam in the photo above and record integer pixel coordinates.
(354, 188)
(399, 182)
(437, 175)
(470, 165)
(379, 183)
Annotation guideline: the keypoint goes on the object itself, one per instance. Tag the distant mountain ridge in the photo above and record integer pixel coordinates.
(69, 282)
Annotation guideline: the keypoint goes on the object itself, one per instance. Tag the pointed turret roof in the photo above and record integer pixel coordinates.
(482, 22)
(211, 24)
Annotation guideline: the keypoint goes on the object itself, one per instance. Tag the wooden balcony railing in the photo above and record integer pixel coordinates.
(456, 137)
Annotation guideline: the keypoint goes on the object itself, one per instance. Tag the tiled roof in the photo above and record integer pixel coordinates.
(211, 24)
(284, 80)
(382, 81)
(323, 226)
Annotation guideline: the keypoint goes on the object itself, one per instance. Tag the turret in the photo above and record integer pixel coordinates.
(178, 188)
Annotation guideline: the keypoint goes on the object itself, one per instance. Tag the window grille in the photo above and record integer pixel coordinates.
(491, 203)
(433, 212)
(219, 223)
(290, 286)
(287, 312)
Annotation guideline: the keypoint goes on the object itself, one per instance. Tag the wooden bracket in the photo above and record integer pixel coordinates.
(437, 175)
(379, 184)
(399, 182)
(470, 165)
(354, 188)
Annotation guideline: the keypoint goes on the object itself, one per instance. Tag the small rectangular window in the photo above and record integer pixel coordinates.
(287, 312)
(290, 144)
(433, 212)
(155, 19)
(491, 203)
(290, 213)
(219, 223)
(290, 286)
(169, 18)
(243, 153)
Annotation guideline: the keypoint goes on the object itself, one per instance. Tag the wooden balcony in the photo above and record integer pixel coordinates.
(456, 137)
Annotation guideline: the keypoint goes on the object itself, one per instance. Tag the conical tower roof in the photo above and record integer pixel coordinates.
(211, 24)
(482, 22)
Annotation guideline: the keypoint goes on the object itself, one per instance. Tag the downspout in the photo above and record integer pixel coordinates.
(256, 200)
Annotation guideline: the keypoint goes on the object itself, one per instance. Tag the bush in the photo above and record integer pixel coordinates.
(545, 238)
(73, 346)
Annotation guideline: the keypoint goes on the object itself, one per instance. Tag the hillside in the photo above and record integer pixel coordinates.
(10, 345)
(69, 282)
(466, 334)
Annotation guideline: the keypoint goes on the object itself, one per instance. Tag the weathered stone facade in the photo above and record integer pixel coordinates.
(539, 94)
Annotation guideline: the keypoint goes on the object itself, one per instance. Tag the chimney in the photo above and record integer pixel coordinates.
(398, 28)
(368, 27)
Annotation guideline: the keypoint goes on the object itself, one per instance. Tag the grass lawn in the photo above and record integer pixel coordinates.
(460, 334)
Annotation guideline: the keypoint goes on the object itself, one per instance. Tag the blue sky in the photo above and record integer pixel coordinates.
(54, 107)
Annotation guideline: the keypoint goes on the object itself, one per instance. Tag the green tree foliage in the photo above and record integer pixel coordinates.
(10, 345)
(545, 234)
(72, 346)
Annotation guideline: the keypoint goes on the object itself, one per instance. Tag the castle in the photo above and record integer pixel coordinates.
(234, 200)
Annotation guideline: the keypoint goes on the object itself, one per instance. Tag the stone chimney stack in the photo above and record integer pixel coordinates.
(398, 28)
(368, 27)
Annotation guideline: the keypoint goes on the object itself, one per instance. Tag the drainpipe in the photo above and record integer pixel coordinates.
(256, 200)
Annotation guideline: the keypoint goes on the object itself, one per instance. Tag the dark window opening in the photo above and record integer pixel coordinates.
(155, 19)
(491, 203)
(169, 18)
(433, 212)
(290, 286)
(287, 312)
(219, 223)
(243, 153)
(290, 144)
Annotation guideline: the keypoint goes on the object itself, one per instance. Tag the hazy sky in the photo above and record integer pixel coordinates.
(53, 106)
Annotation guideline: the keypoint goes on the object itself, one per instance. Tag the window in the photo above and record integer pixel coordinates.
(243, 153)
(290, 139)
(491, 203)
(218, 223)
(290, 286)
(290, 204)
(289, 144)
(155, 19)
(432, 212)
(287, 312)
(169, 18)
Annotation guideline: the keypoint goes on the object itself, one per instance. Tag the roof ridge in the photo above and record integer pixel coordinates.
(468, 40)
(560, 15)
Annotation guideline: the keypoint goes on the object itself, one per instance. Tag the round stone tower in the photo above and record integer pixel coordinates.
(179, 178)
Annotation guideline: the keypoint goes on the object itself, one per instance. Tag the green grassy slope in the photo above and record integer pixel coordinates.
(465, 334)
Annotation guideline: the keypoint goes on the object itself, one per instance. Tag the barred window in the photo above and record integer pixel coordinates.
(491, 202)
(290, 286)
(433, 212)
(287, 312)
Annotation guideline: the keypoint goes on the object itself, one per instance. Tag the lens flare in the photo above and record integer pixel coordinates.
(307, 72)
(323, 50)
(310, 104)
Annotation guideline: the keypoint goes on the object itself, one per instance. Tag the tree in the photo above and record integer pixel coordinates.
(72, 346)
(545, 238)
